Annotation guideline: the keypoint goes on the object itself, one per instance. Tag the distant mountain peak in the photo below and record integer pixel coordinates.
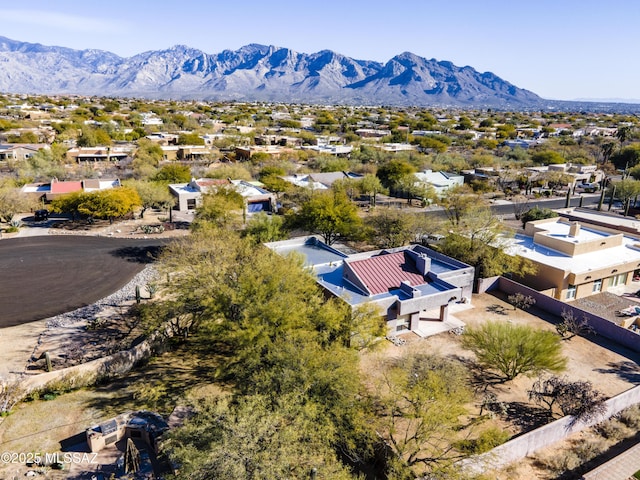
(254, 72)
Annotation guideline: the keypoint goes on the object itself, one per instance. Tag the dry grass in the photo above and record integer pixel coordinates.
(167, 379)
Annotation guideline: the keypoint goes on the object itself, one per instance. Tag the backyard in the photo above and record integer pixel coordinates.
(189, 372)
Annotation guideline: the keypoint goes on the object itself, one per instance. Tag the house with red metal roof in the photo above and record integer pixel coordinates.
(413, 285)
(56, 188)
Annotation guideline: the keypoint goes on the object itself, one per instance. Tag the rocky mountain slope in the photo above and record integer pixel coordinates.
(254, 73)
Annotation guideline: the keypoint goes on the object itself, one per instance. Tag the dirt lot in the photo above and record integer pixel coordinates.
(611, 368)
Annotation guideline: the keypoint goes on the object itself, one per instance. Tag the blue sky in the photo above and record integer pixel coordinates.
(562, 49)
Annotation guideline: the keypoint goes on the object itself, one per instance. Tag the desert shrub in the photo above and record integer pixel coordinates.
(487, 440)
(561, 462)
(631, 417)
(612, 429)
(59, 386)
(588, 449)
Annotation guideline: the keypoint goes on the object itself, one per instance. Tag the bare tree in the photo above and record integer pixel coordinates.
(579, 398)
(572, 325)
(521, 301)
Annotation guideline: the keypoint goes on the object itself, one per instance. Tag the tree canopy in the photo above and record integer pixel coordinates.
(330, 215)
(511, 350)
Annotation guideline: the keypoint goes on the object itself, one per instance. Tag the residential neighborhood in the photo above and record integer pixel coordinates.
(340, 263)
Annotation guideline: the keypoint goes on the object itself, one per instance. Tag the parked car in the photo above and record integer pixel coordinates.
(587, 187)
(41, 215)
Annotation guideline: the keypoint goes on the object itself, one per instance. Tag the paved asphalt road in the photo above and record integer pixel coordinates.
(506, 209)
(44, 276)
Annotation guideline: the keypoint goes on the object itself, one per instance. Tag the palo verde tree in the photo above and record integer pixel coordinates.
(13, 201)
(222, 207)
(106, 204)
(421, 400)
(390, 228)
(392, 172)
(152, 194)
(330, 215)
(255, 437)
(370, 185)
(537, 213)
(264, 228)
(477, 237)
(510, 350)
(281, 337)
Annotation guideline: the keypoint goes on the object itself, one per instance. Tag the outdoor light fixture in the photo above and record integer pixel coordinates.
(614, 270)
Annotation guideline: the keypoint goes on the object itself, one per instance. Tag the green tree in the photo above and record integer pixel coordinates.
(367, 326)
(173, 173)
(330, 215)
(68, 203)
(628, 157)
(222, 207)
(391, 173)
(190, 139)
(537, 213)
(152, 194)
(458, 201)
(370, 185)
(146, 158)
(422, 399)
(392, 227)
(265, 228)
(547, 157)
(477, 237)
(255, 437)
(13, 201)
(92, 137)
(512, 350)
(626, 190)
(111, 203)
(24, 137)
(280, 335)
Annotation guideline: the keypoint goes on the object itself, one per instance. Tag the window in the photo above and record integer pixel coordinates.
(571, 292)
(620, 279)
(597, 286)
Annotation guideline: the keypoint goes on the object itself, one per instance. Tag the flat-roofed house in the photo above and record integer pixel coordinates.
(189, 195)
(56, 188)
(440, 181)
(575, 260)
(411, 285)
(20, 151)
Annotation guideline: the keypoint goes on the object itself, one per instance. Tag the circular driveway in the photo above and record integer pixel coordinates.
(41, 277)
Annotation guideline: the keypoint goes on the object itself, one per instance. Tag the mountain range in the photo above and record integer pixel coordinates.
(254, 73)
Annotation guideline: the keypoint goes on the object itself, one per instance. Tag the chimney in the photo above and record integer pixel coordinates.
(423, 263)
(574, 229)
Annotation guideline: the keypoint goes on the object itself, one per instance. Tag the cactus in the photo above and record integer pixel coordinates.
(137, 293)
(48, 360)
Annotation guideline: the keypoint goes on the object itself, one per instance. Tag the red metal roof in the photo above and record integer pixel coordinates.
(382, 272)
(66, 187)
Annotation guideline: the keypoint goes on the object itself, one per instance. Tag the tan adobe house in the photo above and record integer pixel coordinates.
(189, 195)
(20, 151)
(575, 260)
